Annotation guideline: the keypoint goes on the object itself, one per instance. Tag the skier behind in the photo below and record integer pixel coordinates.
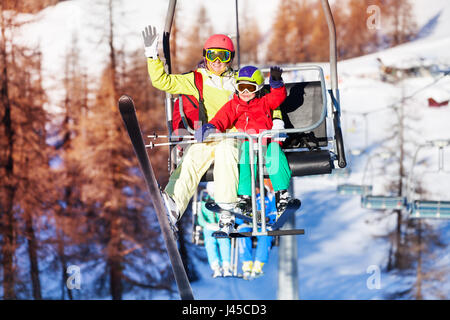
(218, 87)
(250, 110)
(217, 250)
(252, 269)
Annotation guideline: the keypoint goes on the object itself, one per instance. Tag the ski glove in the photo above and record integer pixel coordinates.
(151, 38)
(275, 80)
(278, 124)
(204, 131)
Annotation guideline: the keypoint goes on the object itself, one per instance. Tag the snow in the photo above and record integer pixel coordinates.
(340, 247)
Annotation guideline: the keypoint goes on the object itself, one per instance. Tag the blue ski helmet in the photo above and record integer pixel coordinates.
(251, 74)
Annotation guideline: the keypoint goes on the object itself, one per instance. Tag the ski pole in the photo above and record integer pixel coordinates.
(151, 145)
(156, 136)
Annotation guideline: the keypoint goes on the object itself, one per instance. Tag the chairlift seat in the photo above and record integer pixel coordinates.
(302, 108)
(430, 209)
(383, 202)
(353, 189)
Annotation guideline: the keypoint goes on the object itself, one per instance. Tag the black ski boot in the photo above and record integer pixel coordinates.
(226, 225)
(282, 198)
(244, 204)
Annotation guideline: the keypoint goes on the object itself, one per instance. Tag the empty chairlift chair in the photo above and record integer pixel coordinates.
(426, 208)
(380, 202)
(354, 189)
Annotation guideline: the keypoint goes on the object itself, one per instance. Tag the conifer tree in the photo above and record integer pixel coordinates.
(277, 48)
(24, 159)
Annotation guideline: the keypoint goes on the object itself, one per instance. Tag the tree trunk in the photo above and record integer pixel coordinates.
(32, 254)
(115, 260)
(7, 212)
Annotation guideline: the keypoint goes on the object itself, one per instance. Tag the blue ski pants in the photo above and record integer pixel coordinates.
(217, 250)
(262, 247)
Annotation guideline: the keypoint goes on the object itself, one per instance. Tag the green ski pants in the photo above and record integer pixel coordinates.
(276, 164)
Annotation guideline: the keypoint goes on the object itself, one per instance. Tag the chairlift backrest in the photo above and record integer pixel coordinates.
(302, 108)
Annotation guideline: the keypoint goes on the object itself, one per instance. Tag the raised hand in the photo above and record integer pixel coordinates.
(151, 38)
(275, 80)
(275, 73)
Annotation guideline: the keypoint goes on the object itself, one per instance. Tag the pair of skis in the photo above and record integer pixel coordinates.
(292, 207)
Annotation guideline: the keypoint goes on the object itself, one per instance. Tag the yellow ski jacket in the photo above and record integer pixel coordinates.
(217, 90)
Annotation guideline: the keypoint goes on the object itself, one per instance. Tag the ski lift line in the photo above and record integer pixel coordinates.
(393, 105)
(402, 100)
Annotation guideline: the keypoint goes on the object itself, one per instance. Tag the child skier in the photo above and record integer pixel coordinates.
(217, 250)
(253, 269)
(250, 111)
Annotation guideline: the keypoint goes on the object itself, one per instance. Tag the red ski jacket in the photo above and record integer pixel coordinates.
(253, 117)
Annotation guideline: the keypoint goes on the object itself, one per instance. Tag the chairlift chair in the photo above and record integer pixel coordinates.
(380, 202)
(354, 189)
(420, 208)
(429, 209)
(383, 202)
(306, 113)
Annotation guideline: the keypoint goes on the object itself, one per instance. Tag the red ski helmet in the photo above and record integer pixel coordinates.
(219, 41)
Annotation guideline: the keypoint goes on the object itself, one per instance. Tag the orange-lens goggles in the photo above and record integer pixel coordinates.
(221, 54)
(247, 86)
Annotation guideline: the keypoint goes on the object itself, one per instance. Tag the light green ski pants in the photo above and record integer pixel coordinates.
(276, 164)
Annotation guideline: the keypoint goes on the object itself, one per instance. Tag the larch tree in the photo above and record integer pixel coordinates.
(279, 44)
(301, 34)
(250, 38)
(319, 46)
(400, 25)
(189, 55)
(357, 34)
(24, 159)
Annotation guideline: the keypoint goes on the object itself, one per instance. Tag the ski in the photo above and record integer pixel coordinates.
(292, 207)
(273, 229)
(128, 113)
(293, 232)
(214, 207)
(220, 234)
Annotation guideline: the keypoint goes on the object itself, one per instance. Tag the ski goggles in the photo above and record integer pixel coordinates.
(250, 87)
(222, 54)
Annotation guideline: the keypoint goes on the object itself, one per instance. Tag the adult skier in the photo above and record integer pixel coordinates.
(218, 87)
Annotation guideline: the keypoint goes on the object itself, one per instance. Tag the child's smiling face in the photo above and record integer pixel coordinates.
(246, 96)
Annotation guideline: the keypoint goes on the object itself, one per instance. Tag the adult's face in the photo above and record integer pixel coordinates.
(217, 67)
